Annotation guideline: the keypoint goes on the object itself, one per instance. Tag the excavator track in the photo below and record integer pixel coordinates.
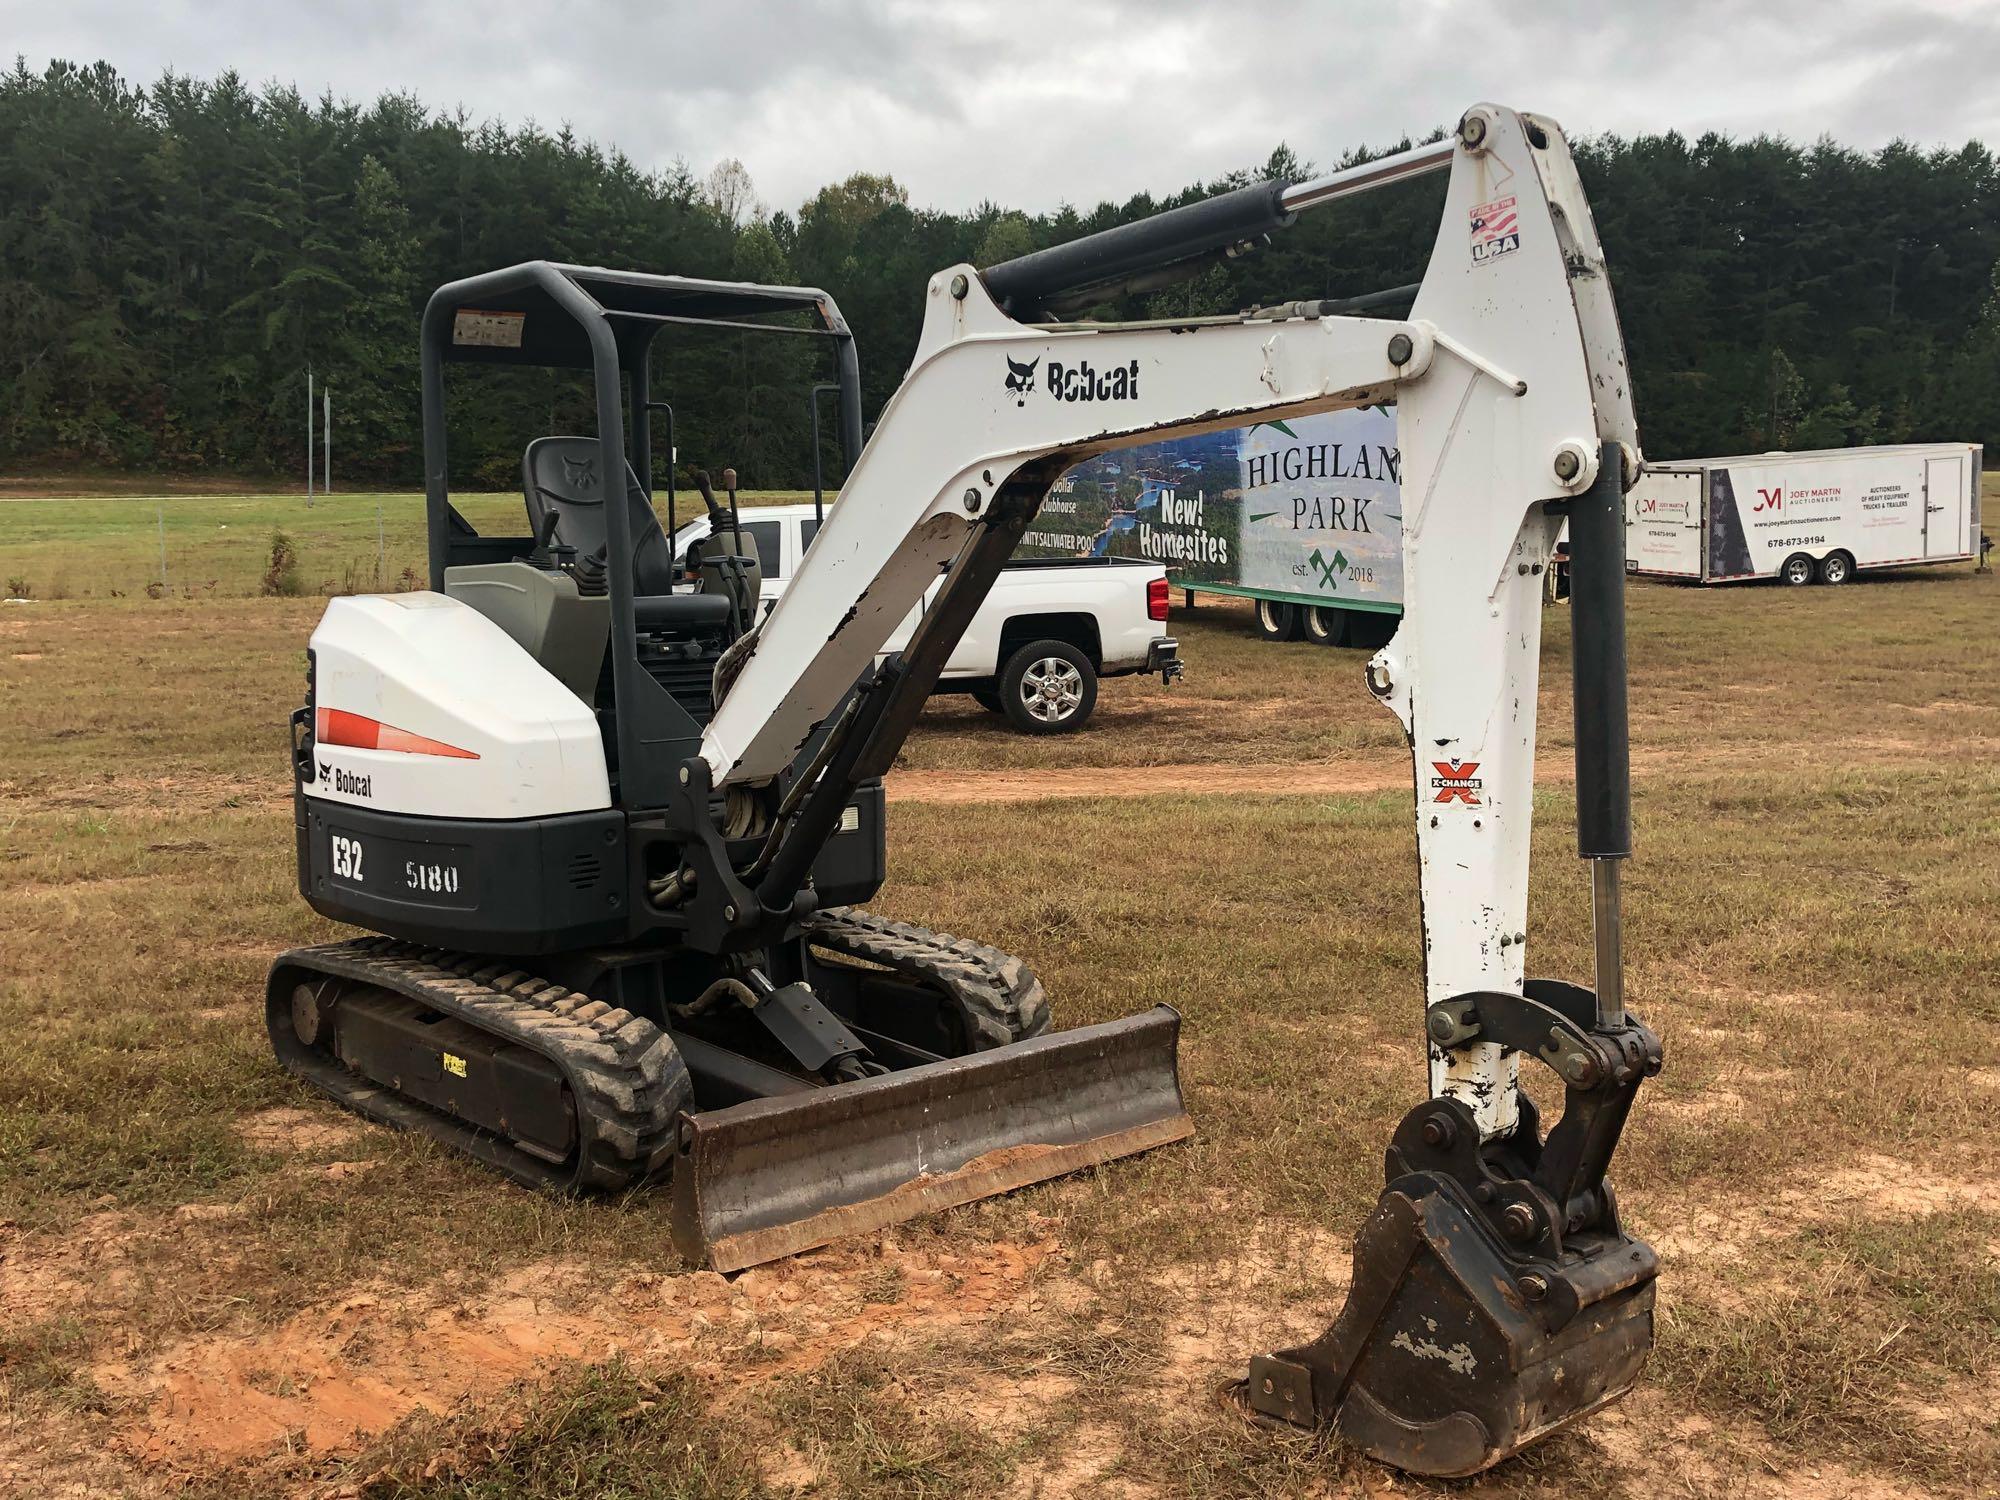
(999, 996)
(621, 1077)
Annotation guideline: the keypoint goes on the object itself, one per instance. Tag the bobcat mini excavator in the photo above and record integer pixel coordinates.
(609, 827)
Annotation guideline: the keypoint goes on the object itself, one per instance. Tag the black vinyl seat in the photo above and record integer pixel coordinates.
(559, 476)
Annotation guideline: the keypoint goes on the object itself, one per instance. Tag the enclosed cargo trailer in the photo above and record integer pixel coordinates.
(1817, 516)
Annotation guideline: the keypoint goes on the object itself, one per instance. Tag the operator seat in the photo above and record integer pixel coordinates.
(559, 476)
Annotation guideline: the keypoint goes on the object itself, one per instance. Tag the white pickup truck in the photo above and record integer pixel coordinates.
(1041, 640)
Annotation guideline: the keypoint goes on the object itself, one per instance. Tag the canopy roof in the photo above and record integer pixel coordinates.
(539, 312)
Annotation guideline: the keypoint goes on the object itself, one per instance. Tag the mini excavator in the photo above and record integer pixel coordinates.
(608, 829)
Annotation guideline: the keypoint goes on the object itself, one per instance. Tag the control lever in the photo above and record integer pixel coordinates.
(735, 516)
(708, 495)
(548, 551)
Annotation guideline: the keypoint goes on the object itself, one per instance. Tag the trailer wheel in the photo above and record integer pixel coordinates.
(1277, 621)
(1323, 625)
(1048, 687)
(1836, 568)
(1798, 570)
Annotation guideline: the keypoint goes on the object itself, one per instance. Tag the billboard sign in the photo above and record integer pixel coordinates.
(1308, 509)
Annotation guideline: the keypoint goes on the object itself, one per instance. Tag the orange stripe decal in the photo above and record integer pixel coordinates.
(336, 726)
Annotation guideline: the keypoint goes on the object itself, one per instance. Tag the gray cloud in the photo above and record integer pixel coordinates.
(1033, 102)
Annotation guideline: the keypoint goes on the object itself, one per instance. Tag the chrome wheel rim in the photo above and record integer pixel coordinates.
(1051, 689)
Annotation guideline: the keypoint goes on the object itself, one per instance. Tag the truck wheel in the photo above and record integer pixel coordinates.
(1836, 568)
(1798, 570)
(1323, 625)
(1048, 687)
(987, 699)
(1276, 621)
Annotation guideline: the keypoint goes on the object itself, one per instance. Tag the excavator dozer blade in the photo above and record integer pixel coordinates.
(768, 1178)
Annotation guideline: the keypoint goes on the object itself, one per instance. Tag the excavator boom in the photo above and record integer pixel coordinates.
(1508, 377)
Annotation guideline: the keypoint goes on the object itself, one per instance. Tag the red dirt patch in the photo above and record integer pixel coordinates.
(334, 1375)
(297, 1130)
(1327, 779)
(102, 1260)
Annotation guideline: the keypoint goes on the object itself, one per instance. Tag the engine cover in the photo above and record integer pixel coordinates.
(422, 705)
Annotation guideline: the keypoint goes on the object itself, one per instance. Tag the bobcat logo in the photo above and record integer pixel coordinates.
(580, 472)
(325, 771)
(1021, 378)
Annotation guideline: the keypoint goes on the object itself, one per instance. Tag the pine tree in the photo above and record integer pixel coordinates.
(172, 257)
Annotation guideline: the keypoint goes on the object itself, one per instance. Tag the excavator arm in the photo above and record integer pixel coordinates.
(1495, 1295)
(1509, 376)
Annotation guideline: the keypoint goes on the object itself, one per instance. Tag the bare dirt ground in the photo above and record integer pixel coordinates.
(957, 788)
(340, 1372)
(1388, 771)
(214, 1284)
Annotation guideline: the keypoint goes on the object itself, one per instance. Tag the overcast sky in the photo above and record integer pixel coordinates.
(1034, 102)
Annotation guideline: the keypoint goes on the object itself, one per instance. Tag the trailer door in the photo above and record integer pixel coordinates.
(1663, 524)
(1947, 513)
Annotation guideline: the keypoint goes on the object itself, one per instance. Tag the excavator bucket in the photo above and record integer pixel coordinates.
(1448, 1357)
(1495, 1295)
(756, 1181)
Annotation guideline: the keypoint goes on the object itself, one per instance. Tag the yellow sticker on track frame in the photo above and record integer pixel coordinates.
(453, 1064)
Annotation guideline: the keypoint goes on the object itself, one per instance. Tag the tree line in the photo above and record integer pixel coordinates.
(176, 257)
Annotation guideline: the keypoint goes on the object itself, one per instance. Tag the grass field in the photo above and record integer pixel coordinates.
(192, 546)
(212, 1284)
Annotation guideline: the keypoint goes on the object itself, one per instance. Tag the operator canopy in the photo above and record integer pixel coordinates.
(540, 312)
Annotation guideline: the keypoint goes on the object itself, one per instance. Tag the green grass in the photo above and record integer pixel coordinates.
(96, 548)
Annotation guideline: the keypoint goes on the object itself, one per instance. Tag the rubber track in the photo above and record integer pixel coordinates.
(999, 995)
(626, 1077)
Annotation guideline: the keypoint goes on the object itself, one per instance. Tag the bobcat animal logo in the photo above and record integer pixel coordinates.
(325, 771)
(1021, 378)
(581, 472)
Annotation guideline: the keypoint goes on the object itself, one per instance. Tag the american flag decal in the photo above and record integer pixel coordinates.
(1496, 229)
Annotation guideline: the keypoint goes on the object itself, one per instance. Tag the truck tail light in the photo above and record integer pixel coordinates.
(1156, 599)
